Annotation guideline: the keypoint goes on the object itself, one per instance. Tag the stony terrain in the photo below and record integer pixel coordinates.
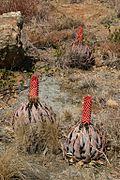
(63, 88)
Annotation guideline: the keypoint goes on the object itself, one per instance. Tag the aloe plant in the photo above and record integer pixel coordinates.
(79, 55)
(85, 141)
(33, 111)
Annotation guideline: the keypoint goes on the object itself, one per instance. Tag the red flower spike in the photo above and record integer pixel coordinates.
(86, 114)
(34, 86)
(79, 35)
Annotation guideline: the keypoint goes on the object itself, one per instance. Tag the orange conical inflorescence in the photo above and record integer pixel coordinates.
(86, 114)
(79, 35)
(34, 86)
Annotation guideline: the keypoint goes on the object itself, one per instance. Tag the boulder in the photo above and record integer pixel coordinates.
(11, 50)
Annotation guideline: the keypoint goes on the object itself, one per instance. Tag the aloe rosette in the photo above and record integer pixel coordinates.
(79, 54)
(33, 111)
(85, 141)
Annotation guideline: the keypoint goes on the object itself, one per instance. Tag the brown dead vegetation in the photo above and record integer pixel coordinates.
(41, 137)
(50, 39)
(12, 165)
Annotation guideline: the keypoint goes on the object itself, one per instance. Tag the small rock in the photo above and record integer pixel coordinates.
(112, 103)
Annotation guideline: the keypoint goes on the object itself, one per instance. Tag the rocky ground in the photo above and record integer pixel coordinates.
(64, 89)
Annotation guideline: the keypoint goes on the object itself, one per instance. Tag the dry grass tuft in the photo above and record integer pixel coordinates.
(44, 9)
(64, 23)
(15, 166)
(112, 124)
(111, 3)
(11, 165)
(109, 53)
(68, 115)
(38, 137)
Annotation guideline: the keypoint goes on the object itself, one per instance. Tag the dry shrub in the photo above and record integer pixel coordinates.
(50, 39)
(15, 166)
(115, 36)
(39, 9)
(37, 137)
(11, 165)
(44, 9)
(27, 8)
(64, 23)
(114, 128)
(111, 3)
(109, 53)
(78, 56)
(87, 85)
(111, 123)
